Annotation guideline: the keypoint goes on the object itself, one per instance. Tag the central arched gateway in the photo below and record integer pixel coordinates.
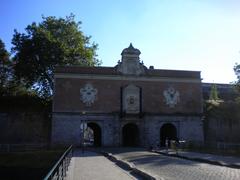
(168, 131)
(130, 135)
(97, 133)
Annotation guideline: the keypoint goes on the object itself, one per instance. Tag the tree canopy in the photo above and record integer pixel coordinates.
(52, 42)
(6, 70)
(237, 72)
(5, 65)
(213, 93)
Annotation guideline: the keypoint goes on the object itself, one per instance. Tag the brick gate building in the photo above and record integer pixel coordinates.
(127, 105)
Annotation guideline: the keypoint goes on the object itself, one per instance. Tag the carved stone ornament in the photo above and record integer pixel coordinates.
(131, 100)
(88, 94)
(132, 103)
(172, 97)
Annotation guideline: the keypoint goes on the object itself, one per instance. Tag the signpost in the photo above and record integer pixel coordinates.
(83, 127)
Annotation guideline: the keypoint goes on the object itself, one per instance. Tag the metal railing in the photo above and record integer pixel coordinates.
(59, 170)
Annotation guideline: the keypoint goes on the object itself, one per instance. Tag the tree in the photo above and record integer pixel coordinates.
(52, 42)
(237, 72)
(5, 67)
(213, 93)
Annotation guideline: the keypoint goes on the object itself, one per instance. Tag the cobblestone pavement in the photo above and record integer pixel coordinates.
(174, 168)
(92, 166)
(223, 160)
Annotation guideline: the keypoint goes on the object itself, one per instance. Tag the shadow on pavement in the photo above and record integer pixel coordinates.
(140, 156)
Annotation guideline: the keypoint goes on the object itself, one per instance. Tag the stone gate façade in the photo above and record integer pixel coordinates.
(127, 105)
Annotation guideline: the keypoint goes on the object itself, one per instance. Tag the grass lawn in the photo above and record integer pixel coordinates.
(27, 165)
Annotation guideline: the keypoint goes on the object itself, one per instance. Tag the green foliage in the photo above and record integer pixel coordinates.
(13, 88)
(213, 93)
(5, 66)
(237, 72)
(8, 85)
(54, 41)
(228, 111)
(237, 100)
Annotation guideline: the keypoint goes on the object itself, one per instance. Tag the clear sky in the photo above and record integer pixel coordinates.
(202, 35)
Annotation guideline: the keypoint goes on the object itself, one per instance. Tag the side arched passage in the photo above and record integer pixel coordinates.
(130, 135)
(97, 134)
(167, 131)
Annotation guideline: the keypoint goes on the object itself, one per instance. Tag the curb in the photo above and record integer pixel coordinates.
(235, 166)
(128, 166)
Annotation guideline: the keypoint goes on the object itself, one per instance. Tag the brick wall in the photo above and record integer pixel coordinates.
(67, 96)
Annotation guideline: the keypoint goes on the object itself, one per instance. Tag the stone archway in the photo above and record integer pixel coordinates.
(96, 133)
(167, 131)
(130, 135)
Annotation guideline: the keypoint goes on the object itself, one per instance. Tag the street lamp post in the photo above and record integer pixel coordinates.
(83, 126)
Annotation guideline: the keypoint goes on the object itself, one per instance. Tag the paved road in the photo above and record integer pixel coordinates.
(170, 168)
(92, 166)
(229, 161)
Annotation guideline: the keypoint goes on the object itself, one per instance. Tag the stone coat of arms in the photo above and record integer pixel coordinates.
(172, 97)
(88, 94)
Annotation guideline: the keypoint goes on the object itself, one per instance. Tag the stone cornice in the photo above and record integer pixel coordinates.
(126, 78)
(127, 116)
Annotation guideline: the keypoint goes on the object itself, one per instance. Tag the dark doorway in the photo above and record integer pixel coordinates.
(97, 134)
(130, 135)
(168, 131)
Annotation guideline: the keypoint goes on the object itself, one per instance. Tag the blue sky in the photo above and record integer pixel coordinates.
(202, 35)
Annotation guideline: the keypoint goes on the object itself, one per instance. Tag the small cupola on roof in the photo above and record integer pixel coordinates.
(131, 51)
(130, 63)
